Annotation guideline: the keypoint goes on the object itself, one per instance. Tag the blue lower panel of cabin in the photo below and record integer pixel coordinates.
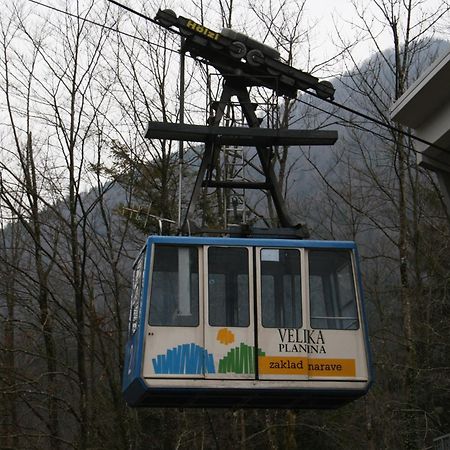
(139, 395)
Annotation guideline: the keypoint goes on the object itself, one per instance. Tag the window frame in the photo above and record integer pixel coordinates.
(248, 256)
(354, 285)
(136, 299)
(300, 288)
(151, 286)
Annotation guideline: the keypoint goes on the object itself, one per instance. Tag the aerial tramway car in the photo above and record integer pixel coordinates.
(245, 322)
(231, 322)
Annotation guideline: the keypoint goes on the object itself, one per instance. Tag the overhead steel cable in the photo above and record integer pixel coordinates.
(378, 134)
(332, 102)
(127, 8)
(339, 105)
(380, 122)
(106, 27)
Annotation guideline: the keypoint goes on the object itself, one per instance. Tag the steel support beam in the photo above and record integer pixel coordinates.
(250, 137)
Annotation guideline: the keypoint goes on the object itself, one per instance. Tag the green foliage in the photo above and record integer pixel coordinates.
(153, 184)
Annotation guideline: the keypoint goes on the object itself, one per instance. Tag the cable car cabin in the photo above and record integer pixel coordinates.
(225, 322)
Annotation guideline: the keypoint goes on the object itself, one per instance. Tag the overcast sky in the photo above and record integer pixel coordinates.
(330, 14)
(330, 23)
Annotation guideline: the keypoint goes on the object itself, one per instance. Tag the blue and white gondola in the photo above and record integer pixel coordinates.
(226, 322)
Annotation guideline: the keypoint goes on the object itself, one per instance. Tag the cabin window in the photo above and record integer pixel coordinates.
(136, 293)
(281, 299)
(228, 287)
(332, 290)
(174, 294)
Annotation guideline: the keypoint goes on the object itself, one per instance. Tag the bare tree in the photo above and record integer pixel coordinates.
(378, 195)
(50, 87)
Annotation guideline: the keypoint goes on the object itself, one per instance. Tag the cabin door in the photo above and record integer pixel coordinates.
(229, 312)
(174, 340)
(282, 337)
(335, 317)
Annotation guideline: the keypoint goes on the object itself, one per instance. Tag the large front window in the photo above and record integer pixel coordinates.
(228, 287)
(332, 290)
(174, 296)
(281, 299)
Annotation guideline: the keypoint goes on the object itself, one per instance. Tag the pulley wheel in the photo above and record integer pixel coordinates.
(255, 57)
(238, 49)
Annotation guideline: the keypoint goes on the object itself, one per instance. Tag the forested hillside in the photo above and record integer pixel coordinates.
(80, 188)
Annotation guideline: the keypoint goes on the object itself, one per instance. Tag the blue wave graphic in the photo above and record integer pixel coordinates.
(184, 359)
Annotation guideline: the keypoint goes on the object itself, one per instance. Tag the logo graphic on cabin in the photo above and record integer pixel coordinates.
(195, 360)
(239, 360)
(184, 359)
(225, 336)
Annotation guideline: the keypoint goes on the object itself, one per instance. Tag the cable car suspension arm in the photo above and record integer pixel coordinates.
(243, 63)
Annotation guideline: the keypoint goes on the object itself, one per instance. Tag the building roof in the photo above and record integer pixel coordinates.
(429, 93)
(425, 107)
